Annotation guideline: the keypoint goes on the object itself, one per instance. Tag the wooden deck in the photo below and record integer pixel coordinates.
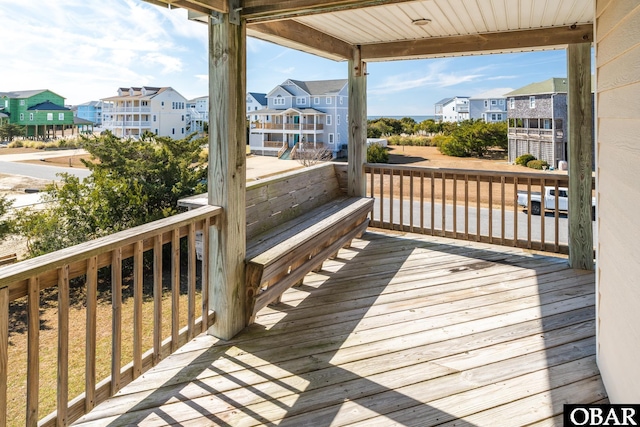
(401, 329)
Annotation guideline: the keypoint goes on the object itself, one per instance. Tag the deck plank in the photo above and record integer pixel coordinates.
(400, 329)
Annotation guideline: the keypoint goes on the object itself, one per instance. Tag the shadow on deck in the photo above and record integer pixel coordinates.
(401, 329)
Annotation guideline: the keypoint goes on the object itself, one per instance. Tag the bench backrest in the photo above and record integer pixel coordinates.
(273, 201)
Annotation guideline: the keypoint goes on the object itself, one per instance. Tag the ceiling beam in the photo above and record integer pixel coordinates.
(261, 10)
(303, 35)
(502, 41)
(203, 6)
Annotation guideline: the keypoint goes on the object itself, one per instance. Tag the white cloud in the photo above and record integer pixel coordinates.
(170, 64)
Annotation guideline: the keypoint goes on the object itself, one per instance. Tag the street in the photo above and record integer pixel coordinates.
(563, 223)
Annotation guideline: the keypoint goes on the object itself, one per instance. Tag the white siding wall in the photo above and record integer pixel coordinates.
(618, 175)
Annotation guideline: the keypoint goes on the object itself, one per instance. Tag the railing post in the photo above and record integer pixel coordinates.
(227, 170)
(357, 146)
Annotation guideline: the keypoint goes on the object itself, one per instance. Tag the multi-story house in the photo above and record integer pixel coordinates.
(454, 109)
(537, 116)
(91, 111)
(255, 101)
(159, 110)
(311, 114)
(41, 112)
(490, 106)
(197, 114)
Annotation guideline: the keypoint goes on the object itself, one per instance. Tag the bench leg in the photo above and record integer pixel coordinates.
(298, 283)
(318, 269)
(334, 255)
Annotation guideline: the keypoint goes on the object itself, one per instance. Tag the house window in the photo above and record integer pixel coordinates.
(512, 103)
(328, 100)
(486, 103)
(183, 117)
(316, 100)
(60, 116)
(330, 138)
(278, 101)
(341, 100)
(154, 117)
(502, 102)
(337, 119)
(22, 102)
(249, 108)
(532, 102)
(49, 116)
(301, 100)
(31, 116)
(156, 131)
(493, 117)
(183, 131)
(499, 116)
(21, 116)
(173, 131)
(328, 120)
(338, 138)
(162, 103)
(494, 102)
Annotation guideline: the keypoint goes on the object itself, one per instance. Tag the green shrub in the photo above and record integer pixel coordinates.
(376, 153)
(537, 164)
(524, 159)
(417, 141)
(450, 146)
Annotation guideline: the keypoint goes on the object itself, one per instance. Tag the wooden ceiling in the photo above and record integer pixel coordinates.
(385, 29)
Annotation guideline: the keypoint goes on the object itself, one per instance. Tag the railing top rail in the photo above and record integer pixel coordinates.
(474, 172)
(32, 267)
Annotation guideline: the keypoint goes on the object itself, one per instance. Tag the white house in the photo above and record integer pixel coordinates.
(197, 114)
(159, 110)
(489, 106)
(311, 114)
(454, 109)
(255, 101)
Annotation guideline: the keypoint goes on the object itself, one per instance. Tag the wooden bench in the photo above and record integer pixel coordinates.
(295, 222)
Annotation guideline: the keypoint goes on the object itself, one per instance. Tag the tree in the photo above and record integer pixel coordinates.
(311, 156)
(473, 138)
(408, 125)
(376, 153)
(9, 131)
(6, 225)
(131, 183)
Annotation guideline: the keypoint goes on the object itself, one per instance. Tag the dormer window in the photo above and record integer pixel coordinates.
(279, 100)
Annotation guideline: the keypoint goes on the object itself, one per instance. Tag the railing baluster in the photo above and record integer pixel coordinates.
(390, 199)
(557, 218)
(422, 202)
(62, 395)
(529, 211)
(444, 204)
(157, 299)
(92, 321)
(455, 206)
(4, 352)
(490, 209)
(116, 319)
(371, 189)
(433, 202)
(381, 198)
(466, 207)
(33, 350)
(191, 281)
(205, 272)
(503, 212)
(401, 221)
(542, 216)
(175, 289)
(411, 201)
(478, 208)
(137, 308)
(515, 211)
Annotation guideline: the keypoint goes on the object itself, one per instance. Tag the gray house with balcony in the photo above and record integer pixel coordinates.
(299, 115)
(537, 117)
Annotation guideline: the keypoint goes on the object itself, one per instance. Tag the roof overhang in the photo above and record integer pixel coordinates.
(386, 30)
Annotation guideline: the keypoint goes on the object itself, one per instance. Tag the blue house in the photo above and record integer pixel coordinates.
(91, 111)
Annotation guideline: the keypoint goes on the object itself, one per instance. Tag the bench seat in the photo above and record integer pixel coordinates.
(280, 257)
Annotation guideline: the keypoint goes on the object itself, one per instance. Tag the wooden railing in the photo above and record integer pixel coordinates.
(467, 204)
(87, 269)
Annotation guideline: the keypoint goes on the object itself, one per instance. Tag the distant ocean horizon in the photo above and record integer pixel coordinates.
(418, 119)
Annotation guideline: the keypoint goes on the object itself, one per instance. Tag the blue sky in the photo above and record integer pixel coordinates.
(85, 49)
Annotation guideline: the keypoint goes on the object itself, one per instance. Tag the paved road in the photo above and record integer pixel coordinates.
(39, 171)
(563, 223)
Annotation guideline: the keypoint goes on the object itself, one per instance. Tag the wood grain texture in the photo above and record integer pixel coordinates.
(227, 173)
(62, 395)
(357, 147)
(4, 352)
(580, 129)
(33, 351)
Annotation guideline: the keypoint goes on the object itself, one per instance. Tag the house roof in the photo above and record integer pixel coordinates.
(90, 104)
(552, 85)
(48, 106)
(81, 121)
(21, 94)
(274, 111)
(493, 93)
(137, 93)
(321, 87)
(445, 101)
(261, 98)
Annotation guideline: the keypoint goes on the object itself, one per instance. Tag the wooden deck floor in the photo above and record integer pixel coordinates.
(401, 329)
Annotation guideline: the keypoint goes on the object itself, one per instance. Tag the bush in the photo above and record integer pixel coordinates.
(537, 164)
(524, 159)
(376, 153)
(450, 146)
(418, 141)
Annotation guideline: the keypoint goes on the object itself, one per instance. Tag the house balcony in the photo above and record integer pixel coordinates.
(131, 124)
(116, 110)
(534, 132)
(422, 319)
(288, 127)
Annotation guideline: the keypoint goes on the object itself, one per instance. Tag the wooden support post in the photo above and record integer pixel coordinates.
(227, 171)
(580, 128)
(357, 147)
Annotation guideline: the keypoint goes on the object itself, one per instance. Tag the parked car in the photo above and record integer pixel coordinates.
(541, 203)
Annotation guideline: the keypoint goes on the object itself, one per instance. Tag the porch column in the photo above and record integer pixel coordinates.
(227, 170)
(357, 147)
(580, 129)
